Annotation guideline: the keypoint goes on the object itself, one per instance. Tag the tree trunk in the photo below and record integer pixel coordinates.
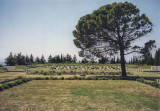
(123, 67)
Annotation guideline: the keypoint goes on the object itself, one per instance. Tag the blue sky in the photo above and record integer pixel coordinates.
(45, 26)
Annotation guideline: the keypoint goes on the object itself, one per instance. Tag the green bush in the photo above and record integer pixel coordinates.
(1, 88)
(95, 78)
(119, 78)
(114, 78)
(155, 84)
(29, 79)
(45, 73)
(54, 78)
(70, 78)
(145, 82)
(141, 80)
(19, 81)
(88, 78)
(10, 84)
(15, 84)
(5, 86)
(150, 83)
(79, 78)
(38, 78)
(103, 78)
(24, 80)
(62, 78)
(46, 78)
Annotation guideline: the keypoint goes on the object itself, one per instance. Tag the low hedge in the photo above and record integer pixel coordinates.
(81, 78)
(14, 83)
(152, 83)
(1, 88)
(53, 78)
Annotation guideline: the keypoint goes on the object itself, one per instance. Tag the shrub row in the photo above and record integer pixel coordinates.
(77, 72)
(8, 80)
(85, 78)
(15, 83)
(152, 83)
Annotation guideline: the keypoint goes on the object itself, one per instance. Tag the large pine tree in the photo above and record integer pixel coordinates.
(110, 30)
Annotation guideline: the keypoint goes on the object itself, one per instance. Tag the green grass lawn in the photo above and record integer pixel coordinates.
(81, 95)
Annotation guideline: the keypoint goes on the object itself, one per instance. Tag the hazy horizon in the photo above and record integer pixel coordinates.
(45, 26)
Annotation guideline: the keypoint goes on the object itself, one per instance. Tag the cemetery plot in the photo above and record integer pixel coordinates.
(77, 69)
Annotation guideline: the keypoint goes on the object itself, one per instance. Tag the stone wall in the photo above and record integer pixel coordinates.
(155, 68)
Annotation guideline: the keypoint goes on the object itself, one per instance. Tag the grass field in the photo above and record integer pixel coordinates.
(81, 95)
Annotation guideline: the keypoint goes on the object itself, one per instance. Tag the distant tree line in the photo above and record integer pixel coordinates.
(149, 60)
(146, 56)
(19, 59)
(102, 60)
(62, 59)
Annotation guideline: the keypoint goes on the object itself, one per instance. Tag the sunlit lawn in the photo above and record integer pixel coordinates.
(81, 95)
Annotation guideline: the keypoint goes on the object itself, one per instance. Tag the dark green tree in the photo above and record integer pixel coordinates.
(68, 58)
(27, 60)
(57, 59)
(42, 60)
(50, 59)
(74, 60)
(146, 52)
(111, 29)
(37, 60)
(10, 60)
(31, 59)
(157, 58)
(20, 59)
(62, 60)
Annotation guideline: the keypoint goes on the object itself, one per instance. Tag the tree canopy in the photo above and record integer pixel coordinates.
(110, 30)
(146, 52)
(157, 58)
